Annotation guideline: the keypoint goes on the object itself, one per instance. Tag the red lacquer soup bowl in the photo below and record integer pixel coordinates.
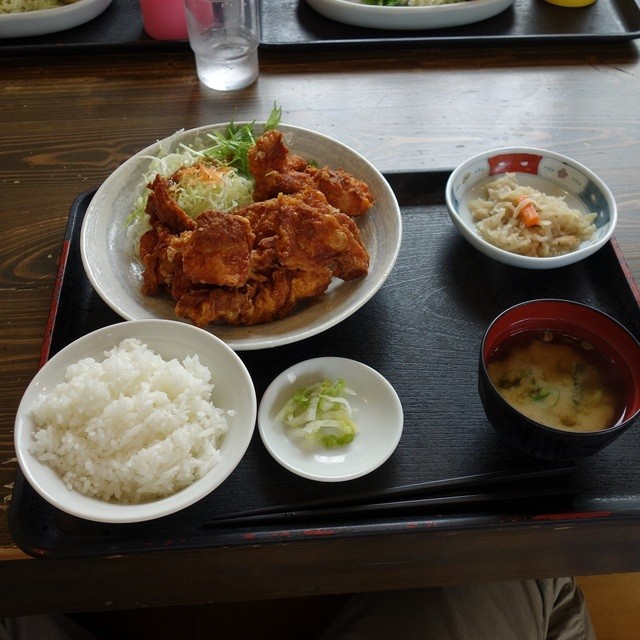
(558, 379)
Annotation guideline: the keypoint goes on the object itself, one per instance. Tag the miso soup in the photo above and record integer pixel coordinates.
(558, 381)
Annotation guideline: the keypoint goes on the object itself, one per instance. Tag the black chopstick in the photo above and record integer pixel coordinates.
(375, 509)
(391, 498)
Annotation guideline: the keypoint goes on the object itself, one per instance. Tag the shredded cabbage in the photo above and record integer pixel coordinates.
(321, 414)
(214, 171)
(205, 186)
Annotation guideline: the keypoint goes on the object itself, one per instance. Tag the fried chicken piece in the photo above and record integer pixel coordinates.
(354, 262)
(343, 191)
(204, 306)
(218, 250)
(163, 266)
(312, 234)
(164, 210)
(302, 214)
(256, 302)
(150, 256)
(264, 260)
(309, 284)
(262, 217)
(269, 158)
(276, 170)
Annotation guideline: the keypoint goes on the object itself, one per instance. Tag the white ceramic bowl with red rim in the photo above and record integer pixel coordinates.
(546, 171)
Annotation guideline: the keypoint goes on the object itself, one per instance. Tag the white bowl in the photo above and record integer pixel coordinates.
(353, 12)
(116, 273)
(379, 417)
(549, 172)
(233, 390)
(44, 21)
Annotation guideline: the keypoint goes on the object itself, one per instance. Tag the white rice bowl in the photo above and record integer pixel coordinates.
(152, 416)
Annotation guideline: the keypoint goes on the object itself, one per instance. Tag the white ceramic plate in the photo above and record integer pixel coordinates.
(37, 23)
(546, 171)
(379, 417)
(116, 274)
(233, 390)
(355, 13)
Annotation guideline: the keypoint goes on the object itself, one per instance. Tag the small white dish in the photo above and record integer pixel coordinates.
(546, 171)
(233, 391)
(44, 21)
(354, 13)
(379, 417)
(109, 259)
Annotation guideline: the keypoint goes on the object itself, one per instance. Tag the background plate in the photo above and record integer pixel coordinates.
(45, 21)
(436, 17)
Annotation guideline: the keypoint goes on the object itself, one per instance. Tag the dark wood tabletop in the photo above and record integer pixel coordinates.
(69, 119)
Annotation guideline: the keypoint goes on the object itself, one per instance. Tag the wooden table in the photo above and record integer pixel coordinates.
(68, 121)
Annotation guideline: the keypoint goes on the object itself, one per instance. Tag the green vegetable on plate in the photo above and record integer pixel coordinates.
(321, 414)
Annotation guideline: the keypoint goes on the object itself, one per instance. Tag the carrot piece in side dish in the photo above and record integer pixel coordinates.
(528, 213)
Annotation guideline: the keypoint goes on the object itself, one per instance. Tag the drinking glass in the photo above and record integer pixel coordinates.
(224, 36)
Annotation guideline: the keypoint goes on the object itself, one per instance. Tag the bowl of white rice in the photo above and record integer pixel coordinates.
(530, 208)
(135, 421)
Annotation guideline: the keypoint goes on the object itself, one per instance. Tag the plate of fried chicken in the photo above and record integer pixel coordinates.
(316, 239)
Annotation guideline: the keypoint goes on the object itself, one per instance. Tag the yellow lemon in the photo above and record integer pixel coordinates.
(571, 3)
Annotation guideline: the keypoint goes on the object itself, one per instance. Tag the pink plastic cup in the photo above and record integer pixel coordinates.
(164, 19)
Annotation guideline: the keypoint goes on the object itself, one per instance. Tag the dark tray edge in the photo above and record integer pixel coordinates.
(454, 41)
(362, 43)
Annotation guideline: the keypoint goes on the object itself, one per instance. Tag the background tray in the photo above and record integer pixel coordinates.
(293, 24)
(422, 331)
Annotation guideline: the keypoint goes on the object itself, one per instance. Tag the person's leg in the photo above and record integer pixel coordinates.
(522, 610)
(42, 627)
(566, 610)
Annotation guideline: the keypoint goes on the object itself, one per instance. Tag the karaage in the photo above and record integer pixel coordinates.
(256, 263)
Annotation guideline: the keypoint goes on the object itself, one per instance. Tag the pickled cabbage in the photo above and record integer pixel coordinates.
(321, 414)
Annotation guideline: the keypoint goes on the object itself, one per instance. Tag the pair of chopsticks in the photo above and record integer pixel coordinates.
(463, 490)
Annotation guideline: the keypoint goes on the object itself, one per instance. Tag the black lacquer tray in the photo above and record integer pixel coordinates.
(422, 331)
(293, 24)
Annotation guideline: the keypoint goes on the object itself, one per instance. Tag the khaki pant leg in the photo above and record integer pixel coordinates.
(522, 610)
(565, 610)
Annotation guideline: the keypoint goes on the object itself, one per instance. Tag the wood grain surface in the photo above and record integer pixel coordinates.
(69, 120)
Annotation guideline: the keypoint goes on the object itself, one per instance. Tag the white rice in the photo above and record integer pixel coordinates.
(131, 428)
